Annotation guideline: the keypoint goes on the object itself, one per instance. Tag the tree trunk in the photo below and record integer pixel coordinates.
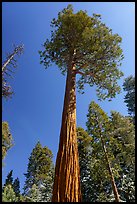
(114, 187)
(7, 62)
(66, 186)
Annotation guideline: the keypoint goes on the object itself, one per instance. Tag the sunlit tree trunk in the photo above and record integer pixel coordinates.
(114, 187)
(67, 172)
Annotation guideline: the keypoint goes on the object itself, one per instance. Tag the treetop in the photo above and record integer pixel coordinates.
(83, 41)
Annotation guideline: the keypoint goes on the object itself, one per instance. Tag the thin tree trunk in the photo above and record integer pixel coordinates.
(66, 186)
(18, 50)
(7, 62)
(114, 187)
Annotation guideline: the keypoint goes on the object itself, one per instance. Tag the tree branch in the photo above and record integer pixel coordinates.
(84, 74)
(79, 72)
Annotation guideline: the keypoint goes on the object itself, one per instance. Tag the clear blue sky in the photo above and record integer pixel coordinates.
(34, 112)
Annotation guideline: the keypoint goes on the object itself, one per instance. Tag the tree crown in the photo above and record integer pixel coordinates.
(84, 41)
(129, 99)
(7, 140)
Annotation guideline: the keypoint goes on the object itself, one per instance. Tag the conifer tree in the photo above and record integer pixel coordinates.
(9, 179)
(123, 131)
(119, 138)
(100, 120)
(16, 187)
(34, 194)
(85, 153)
(39, 173)
(8, 194)
(79, 44)
(12, 185)
(129, 87)
(7, 141)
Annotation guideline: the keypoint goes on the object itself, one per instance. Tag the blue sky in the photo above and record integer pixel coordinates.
(35, 110)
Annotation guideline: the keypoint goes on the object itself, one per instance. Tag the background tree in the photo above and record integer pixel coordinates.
(129, 87)
(6, 70)
(123, 131)
(93, 173)
(11, 191)
(85, 153)
(9, 179)
(34, 194)
(83, 45)
(100, 135)
(40, 172)
(7, 141)
(16, 188)
(47, 187)
(8, 194)
(119, 137)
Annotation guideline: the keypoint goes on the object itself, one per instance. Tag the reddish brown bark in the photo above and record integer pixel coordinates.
(66, 186)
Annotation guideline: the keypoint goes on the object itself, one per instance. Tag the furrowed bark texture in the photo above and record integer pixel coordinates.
(66, 186)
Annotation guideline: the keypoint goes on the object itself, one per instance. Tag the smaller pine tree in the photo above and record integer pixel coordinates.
(129, 99)
(85, 151)
(7, 141)
(16, 187)
(9, 179)
(39, 174)
(8, 194)
(34, 194)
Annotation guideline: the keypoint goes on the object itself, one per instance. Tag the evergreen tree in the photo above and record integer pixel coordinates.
(95, 184)
(124, 151)
(13, 185)
(34, 194)
(40, 172)
(9, 179)
(23, 198)
(8, 194)
(99, 119)
(85, 152)
(7, 141)
(46, 187)
(128, 186)
(79, 44)
(119, 138)
(129, 87)
(16, 187)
